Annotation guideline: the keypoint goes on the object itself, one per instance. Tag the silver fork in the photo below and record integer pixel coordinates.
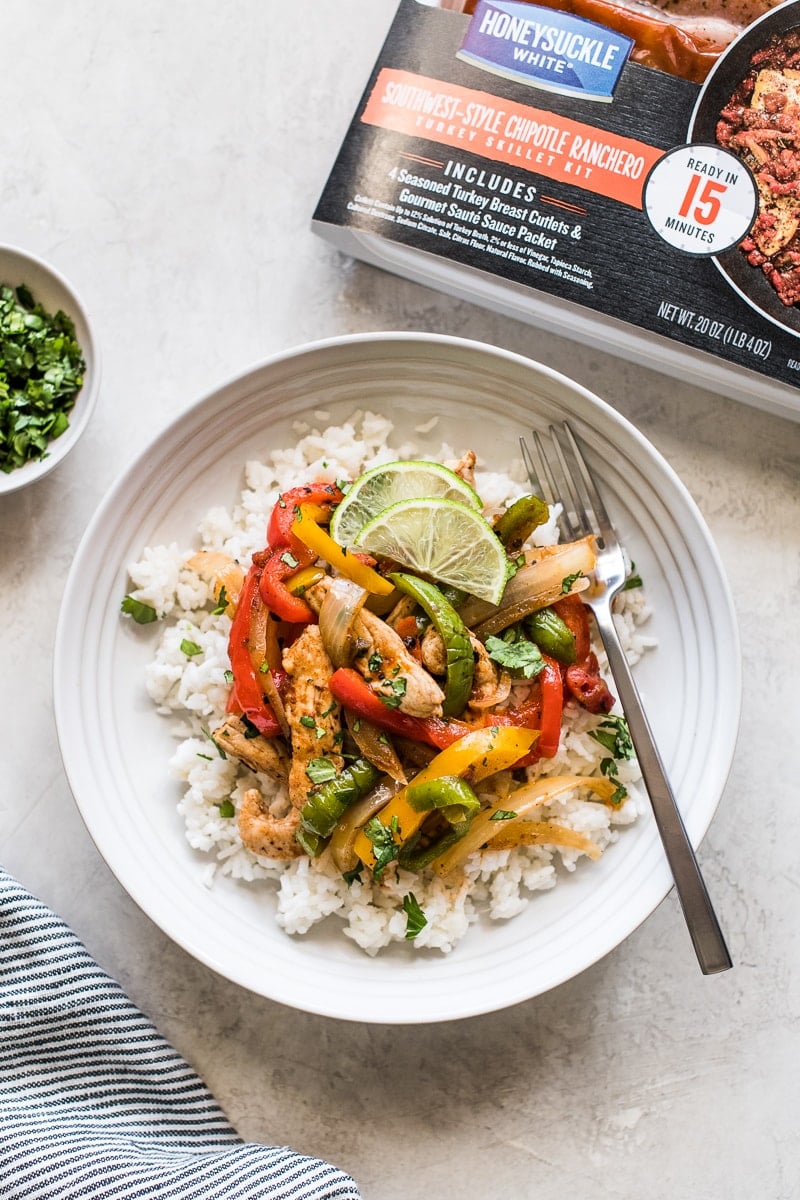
(564, 476)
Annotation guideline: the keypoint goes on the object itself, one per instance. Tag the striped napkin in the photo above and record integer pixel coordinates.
(94, 1103)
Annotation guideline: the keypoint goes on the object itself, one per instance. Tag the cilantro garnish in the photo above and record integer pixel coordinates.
(222, 602)
(190, 648)
(416, 919)
(142, 613)
(41, 373)
(308, 722)
(226, 809)
(229, 677)
(568, 581)
(608, 767)
(375, 662)
(634, 580)
(516, 653)
(383, 843)
(214, 743)
(613, 734)
(320, 770)
(502, 814)
(394, 698)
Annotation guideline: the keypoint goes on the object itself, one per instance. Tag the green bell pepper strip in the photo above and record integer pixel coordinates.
(326, 804)
(518, 522)
(552, 635)
(312, 843)
(453, 632)
(449, 794)
(412, 859)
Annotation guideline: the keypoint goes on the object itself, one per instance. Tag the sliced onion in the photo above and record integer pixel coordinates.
(545, 833)
(342, 604)
(221, 571)
(265, 655)
(343, 838)
(534, 586)
(275, 699)
(375, 745)
(521, 802)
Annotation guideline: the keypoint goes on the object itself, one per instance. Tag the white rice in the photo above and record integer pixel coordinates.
(192, 691)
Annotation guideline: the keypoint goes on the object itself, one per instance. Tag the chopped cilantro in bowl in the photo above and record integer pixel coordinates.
(48, 369)
(41, 373)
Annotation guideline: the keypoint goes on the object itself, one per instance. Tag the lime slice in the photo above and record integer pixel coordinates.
(443, 539)
(391, 482)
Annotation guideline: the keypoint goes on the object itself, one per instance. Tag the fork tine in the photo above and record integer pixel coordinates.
(530, 469)
(602, 521)
(580, 525)
(551, 491)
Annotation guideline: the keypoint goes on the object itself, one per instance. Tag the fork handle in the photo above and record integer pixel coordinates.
(706, 935)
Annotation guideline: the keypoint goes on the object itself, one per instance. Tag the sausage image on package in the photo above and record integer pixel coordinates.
(761, 124)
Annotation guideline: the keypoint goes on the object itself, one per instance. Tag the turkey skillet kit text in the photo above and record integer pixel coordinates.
(621, 173)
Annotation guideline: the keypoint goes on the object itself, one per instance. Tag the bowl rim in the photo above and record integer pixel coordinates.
(86, 400)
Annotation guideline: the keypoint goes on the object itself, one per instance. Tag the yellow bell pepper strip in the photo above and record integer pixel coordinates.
(489, 823)
(303, 579)
(306, 529)
(475, 756)
(454, 634)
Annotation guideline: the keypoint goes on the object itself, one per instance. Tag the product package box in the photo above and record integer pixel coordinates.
(626, 176)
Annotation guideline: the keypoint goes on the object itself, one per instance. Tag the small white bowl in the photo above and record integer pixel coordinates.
(52, 291)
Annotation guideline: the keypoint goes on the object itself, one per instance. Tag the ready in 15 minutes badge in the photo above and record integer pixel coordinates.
(545, 48)
(700, 199)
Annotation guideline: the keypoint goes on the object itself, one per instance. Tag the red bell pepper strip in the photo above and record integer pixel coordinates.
(354, 693)
(542, 711)
(583, 680)
(284, 514)
(552, 686)
(286, 554)
(575, 615)
(588, 687)
(277, 568)
(246, 695)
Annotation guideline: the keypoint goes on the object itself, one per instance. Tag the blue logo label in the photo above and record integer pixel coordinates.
(545, 49)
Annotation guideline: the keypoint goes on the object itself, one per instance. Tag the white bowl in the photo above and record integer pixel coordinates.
(116, 748)
(51, 290)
